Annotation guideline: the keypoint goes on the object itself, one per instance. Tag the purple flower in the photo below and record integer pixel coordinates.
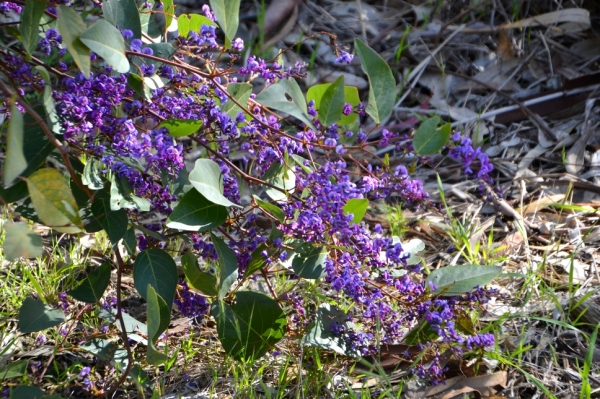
(127, 34)
(344, 57)
(237, 44)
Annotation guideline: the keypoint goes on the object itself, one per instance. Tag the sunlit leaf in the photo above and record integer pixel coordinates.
(71, 26)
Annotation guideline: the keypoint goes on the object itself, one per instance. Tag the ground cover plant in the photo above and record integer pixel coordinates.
(225, 193)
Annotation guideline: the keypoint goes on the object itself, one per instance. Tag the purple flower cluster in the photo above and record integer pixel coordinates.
(344, 58)
(8, 6)
(189, 303)
(475, 162)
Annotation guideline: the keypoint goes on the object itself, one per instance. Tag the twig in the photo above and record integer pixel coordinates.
(124, 337)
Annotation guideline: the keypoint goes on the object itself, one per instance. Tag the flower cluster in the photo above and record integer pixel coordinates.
(109, 119)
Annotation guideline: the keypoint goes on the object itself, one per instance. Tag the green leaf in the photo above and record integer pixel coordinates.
(148, 19)
(91, 289)
(241, 92)
(315, 93)
(71, 26)
(332, 103)
(456, 280)
(131, 325)
(114, 222)
(20, 241)
(421, 333)
(202, 281)
(104, 350)
(139, 86)
(121, 196)
(279, 175)
(30, 23)
(26, 392)
(270, 208)
(413, 247)
(257, 261)
(321, 334)
(309, 262)
(157, 268)
(159, 316)
(123, 14)
(227, 14)
(15, 162)
(129, 241)
(208, 180)
(27, 146)
(182, 127)
(49, 106)
(53, 201)
(195, 213)
(357, 207)
(382, 86)
(92, 177)
(106, 41)
(169, 12)
(228, 266)
(429, 139)
(250, 327)
(286, 96)
(193, 23)
(35, 315)
(13, 370)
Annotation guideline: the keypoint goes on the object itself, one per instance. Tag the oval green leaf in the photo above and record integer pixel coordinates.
(192, 22)
(53, 201)
(182, 127)
(250, 327)
(35, 315)
(227, 14)
(15, 162)
(20, 241)
(106, 41)
(286, 96)
(456, 280)
(241, 92)
(91, 289)
(157, 268)
(382, 86)
(159, 316)
(270, 208)
(114, 222)
(280, 176)
(30, 23)
(71, 26)
(228, 266)
(310, 264)
(202, 281)
(429, 139)
(195, 213)
(357, 207)
(332, 103)
(208, 180)
(123, 14)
